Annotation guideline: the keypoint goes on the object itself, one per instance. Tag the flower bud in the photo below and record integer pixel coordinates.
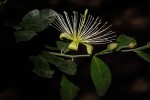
(132, 44)
(112, 46)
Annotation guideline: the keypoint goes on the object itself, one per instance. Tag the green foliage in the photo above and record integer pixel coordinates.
(101, 75)
(42, 67)
(66, 66)
(38, 20)
(34, 21)
(24, 35)
(143, 55)
(68, 90)
(124, 41)
(63, 46)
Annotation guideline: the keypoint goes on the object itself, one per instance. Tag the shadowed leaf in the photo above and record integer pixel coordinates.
(42, 67)
(24, 35)
(63, 46)
(68, 90)
(143, 55)
(66, 66)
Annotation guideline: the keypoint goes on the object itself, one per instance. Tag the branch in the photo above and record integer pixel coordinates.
(69, 56)
(136, 49)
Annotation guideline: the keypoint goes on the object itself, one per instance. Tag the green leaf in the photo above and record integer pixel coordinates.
(68, 90)
(66, 66)
(24, 35)
(143, 55)
(124, 40)
(38, 20)
(63, 46)
(42, 67)
(101, 75)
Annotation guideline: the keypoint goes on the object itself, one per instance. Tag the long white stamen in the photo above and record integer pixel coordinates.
(84, 30)
(60, 19)
(98, 32)
(58, 26)
(87, 25)
(80, 23)
(68, 20)
(84, 34)
(104, 38)
(94, 30)
(107, 34)
(66, 26)
(75, 21)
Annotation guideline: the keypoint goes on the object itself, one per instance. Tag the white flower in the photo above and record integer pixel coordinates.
(85, 30)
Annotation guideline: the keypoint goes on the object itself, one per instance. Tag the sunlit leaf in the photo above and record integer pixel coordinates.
(68, 89)
(24, 35)
(38, 20)
(42, 67)
(101, 75)
(66, 66)
(143, 55)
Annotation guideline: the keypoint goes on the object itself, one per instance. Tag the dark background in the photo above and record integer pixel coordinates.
(130, 74)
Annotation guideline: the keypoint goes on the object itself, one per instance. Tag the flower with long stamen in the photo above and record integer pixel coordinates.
(85, 30)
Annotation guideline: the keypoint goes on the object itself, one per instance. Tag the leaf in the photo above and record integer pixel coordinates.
(124, 40)
(38, 20)
(66, 66)
(143, 55)
(101, 75)
(68, 90)
(63, 46)
(42, 67)
(24, 35)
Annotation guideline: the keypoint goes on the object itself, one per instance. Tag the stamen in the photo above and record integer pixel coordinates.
(83, 22)
(68, 20)
(86, 31)
(94, 30)
(80, 22)
(108, 39)
(106, 34)
(87, 25)
(75, 21)
(63, 23)
(98, 32)
(58, 26)
(85, 34)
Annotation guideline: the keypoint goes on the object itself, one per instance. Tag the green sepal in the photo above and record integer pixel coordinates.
(65, 35)
(73, 45)
(89, 48)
